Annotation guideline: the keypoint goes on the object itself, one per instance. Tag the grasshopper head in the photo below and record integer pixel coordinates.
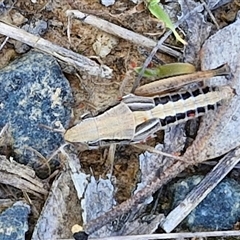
(83, 132)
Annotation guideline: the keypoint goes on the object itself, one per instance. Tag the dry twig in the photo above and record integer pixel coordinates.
(69, 57)
(171, 236)
(119, 31)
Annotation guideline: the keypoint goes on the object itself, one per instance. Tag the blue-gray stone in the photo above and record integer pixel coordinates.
(34, 93)
(14, 222)
(220, 210)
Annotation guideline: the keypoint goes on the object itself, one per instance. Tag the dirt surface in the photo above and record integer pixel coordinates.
(93, 93)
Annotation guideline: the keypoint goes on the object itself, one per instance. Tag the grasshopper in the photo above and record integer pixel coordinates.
(136, 118)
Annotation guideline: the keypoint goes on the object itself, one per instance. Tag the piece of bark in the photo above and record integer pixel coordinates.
(60, 212)
(21, 177)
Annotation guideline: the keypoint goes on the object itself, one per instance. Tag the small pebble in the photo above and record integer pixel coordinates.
(107, 3)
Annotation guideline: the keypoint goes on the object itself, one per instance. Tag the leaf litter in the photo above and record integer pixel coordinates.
(174, 139)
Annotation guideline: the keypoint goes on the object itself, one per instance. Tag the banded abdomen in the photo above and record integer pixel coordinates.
(175, 108)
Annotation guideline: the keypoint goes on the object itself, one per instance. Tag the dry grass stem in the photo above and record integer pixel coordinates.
(153, 150)
(158, 46)
(69, 57)
(119, 31)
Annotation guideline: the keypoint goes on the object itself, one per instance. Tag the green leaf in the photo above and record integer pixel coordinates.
(167, 70)
(156, 10)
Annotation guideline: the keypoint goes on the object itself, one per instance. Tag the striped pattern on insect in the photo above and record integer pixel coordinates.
(136, 118)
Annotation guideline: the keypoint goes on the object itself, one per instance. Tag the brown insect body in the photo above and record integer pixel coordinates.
(135, 118)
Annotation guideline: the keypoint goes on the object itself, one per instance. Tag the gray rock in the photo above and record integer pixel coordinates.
(218, 211)
(34, 92)
(14, 222)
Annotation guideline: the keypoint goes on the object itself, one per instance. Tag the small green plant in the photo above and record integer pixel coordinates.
(156, 10)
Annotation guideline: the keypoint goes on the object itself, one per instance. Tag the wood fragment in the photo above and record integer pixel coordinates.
(6, 203)
(60, 209)
(69, 57)
(182, 235)
(21, 177)
(119, 31)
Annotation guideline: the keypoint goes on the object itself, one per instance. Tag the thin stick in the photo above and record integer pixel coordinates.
(4, 129)
(182, 235)
(111, 153)
(79, 61)
(176, 235)
(119, 31)
(210, 14)
(4, 42)
(153, 150)
(21, 177)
